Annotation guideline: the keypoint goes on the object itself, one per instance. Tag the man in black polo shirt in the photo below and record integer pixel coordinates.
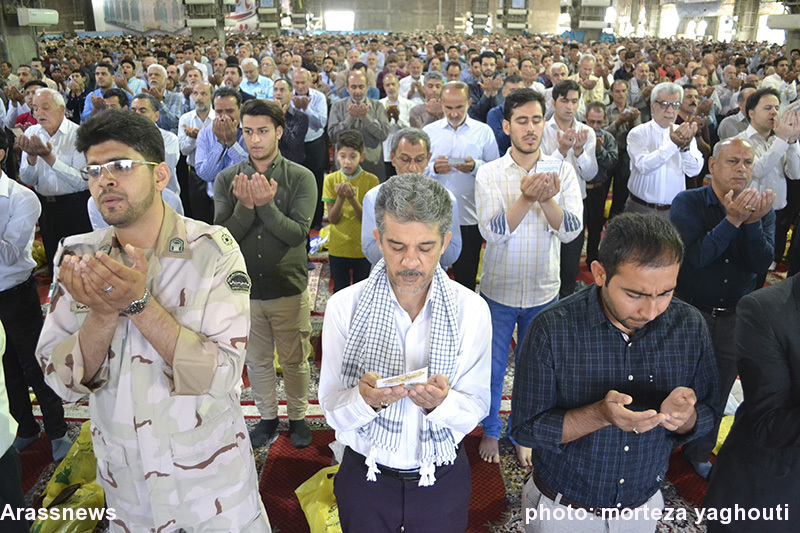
(729, 233)
(609, 381)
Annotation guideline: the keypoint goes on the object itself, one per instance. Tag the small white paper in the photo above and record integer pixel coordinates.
(456, 161)
(548, 165)
(407, 380)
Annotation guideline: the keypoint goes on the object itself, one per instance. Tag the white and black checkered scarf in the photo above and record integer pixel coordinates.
(372, 346)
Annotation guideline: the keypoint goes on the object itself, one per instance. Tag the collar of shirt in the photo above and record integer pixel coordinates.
(752, 132)
(466, 124)
(172, 235)
(554, 125)
(277, 162)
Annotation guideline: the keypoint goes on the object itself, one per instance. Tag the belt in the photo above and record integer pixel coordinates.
(408, 476)
(716, 312)
(17, 288)
(657, 207)
(552, 494)
(63, 197)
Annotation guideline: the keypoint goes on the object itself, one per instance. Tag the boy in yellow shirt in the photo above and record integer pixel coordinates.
(343, 191)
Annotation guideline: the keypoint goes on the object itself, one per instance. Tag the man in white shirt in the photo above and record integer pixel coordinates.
(727, 89)
(524, 215)
(640, 89)
(50, 165)
(574, 142)
(735, 124)
(397, 110)
(314, 104)
(662, 155)
(783, 81)
(460, 145)
(147, 106)
(189, 126)
(21, 314)
(404, 465)
(189, 55)
(530, 74)
(411, 87)
(777, 155)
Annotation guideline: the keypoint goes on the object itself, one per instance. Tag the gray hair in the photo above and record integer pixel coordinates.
(558, 64)
(250, 61)
(666, 87)
(414, 198)
(412, 135)
(55, 95)
(433, 75)
(150, 99)
(159, 68)
(587, 57)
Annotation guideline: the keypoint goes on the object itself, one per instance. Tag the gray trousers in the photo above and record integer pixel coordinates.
(543, 515)
(636, 207)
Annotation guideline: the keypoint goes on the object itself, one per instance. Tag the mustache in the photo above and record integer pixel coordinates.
(405, 273)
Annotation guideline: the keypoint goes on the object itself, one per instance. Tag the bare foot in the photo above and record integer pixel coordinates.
(489, 450)
(523, 455)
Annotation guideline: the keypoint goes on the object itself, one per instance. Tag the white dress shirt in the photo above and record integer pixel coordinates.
(172, 153)
(19, 211)
(775, 162)
(199, 66)
(405, 87)
(658, 166)
(404, 105)
(472, 139)
(13, 111)
(732, 126)
(788, 91)
(317, 113)
(467, 402)
(187, 144)
(549, 111)
(63, 177)
(586, 164)
(521, 267)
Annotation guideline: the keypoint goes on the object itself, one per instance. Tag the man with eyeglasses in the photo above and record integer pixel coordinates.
(50, 164)
(410, 153)
(150, 318)
(662, 155)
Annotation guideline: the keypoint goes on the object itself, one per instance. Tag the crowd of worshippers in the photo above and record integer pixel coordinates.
(510, 145)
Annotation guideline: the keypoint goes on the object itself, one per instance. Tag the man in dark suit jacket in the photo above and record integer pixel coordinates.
(759, 464)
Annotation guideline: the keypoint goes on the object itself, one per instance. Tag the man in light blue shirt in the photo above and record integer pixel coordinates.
(104, 79)
(218, 147)
(459, 146)
(254, 83)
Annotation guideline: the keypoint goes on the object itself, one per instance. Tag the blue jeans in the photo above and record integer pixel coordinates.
(504, 319)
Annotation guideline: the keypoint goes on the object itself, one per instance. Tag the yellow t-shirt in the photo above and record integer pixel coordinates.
(345, 237)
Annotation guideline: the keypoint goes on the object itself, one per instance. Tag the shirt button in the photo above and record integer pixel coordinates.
(626, 448)
(724, 281)
(621, 481)
(619, 505)
(630, 378)
(727, 260)
(630, 344)
(259, 256)
(259, 236)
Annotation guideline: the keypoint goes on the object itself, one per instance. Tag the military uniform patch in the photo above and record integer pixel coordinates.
(76, 307)
(176, 246)
(106, 249)
(224, 241)
(239, 281)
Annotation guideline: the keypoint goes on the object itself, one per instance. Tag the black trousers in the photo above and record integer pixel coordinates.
(62, 216)
(341, 268)
(11, 491)
(389, 504)
(182, 172)
(594, 218)
(317, 163)
(21, 315)
(201, 205)
(619, 194)
(570, 265)
(465, 269)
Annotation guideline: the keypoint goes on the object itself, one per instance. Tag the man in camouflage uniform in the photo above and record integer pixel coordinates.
(150, 318)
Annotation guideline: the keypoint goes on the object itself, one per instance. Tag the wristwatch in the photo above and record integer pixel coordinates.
(137, 306)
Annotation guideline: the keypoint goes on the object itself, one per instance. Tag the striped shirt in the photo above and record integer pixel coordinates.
(521, 268)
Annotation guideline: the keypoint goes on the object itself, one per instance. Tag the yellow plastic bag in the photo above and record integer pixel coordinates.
(318, 502)
(73, 488)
